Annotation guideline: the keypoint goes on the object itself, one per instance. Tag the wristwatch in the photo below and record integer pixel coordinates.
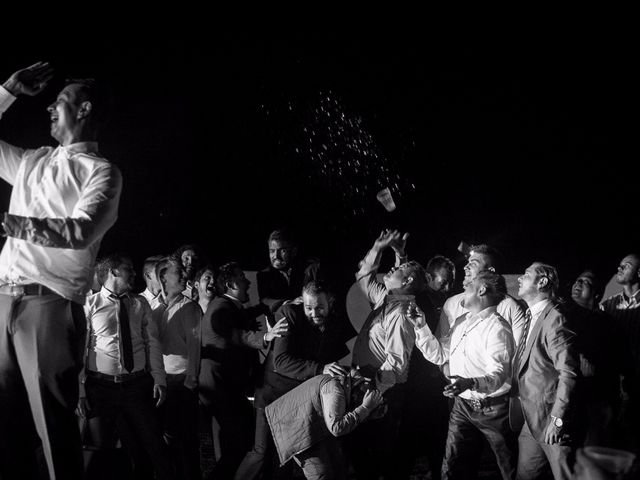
(557, 421)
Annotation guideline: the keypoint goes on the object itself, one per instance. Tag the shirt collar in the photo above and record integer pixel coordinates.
(236, 302)
(632, 298)
(481, 315)
(537, 308)
(178, 298)
(105, 292)
(80, 147)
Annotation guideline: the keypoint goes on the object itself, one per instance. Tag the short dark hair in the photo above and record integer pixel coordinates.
(111, 262)
(493, 283)
(417, 273)
(493, 254)
(202, 271)
(97, 94)
(551, 274)
(282, 235)
(438, 263)
(151, 262)
(317, 287)
(225, 274)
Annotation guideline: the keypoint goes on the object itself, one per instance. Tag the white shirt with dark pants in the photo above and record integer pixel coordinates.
(63, 201)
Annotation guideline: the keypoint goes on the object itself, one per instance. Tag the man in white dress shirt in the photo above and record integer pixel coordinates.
(63, 201)
(152, 293)
(479, 350)
(124, 374)
(482, 258)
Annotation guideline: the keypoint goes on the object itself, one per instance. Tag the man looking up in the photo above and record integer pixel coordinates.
(481, 258)
(152, 293)
(63, 201)
(383, 349)
(546, 368)
(479, 350)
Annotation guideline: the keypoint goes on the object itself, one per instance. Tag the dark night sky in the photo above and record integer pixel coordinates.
(522, 143)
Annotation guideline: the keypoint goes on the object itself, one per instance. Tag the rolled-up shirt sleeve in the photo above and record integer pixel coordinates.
(334, 409)
(434, 350)
(95, 212)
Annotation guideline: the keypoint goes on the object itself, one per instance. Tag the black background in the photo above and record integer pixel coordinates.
(525, 142)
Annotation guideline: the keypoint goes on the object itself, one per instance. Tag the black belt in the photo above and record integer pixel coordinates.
(477, 404)
(29, 289)
(121, 378)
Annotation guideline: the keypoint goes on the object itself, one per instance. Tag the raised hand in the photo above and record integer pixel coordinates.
(29, 81)
(335, 370)
(391, 238)
(280, 329)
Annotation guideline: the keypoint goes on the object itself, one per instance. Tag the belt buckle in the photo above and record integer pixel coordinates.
(476, 404)
(118, 378)
(16, 290)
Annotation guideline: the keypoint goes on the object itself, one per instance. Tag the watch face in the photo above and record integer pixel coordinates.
(557, 422)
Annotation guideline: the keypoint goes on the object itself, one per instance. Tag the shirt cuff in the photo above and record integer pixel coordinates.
(6, 99)
(423, 332)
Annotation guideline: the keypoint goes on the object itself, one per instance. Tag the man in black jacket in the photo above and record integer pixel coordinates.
(230, 339)
(314, 343)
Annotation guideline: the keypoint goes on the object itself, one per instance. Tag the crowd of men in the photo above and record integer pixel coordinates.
(534, 378)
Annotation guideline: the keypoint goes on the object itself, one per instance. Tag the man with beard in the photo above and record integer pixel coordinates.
(314, 343)
(282, 281)
(120, 392)
(230, 340)
(178, 322)
(481, 258)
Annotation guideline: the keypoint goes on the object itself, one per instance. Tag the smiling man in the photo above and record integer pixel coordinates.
(64, 199)
(481, 258)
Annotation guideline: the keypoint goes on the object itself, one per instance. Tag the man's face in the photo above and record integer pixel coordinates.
(207, 285)
(628, 270)
(441, 280)
(281, 254)
(241, 286)
(189, 259)
(396, 277)
(528, 283)
(471, 293)
(477, 262)
(583, 291)
(64, 111)
(316, 307)
(126, 276)
(174, 279)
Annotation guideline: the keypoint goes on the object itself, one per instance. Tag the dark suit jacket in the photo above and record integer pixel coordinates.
(301, 354)
(230, 341)
(273, 288)
(548, 371)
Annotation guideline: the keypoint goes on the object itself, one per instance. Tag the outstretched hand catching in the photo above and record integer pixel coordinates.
(29, 81)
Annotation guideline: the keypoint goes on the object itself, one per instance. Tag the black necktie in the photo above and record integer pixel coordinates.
(125, 335)
(523, 340)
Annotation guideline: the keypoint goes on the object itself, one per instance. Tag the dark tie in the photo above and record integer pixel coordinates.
(125, 335)
(523, 340)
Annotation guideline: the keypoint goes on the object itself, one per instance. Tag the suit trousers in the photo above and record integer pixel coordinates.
(41, 343)
(130, 407)
(535, 458)
(464, 440)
